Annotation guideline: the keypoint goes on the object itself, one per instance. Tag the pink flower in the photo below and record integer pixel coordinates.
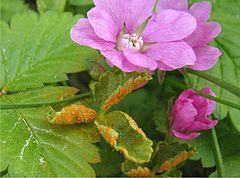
(206, 31)
(124, 33)
(189, 114)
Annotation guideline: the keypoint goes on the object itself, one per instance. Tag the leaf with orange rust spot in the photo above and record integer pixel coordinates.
(169, 155)
(132, 169)
(73, 114)
(122, 133)
(113, 86)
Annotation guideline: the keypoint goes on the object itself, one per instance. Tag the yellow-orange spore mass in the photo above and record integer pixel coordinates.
(108, 134)
(139, 172)
(75, 114)
(127, 88)
(184, 155)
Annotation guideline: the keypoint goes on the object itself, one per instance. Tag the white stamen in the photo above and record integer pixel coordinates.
(134, 42)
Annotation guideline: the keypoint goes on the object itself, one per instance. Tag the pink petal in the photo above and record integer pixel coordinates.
(117, 59)
(201, 11)
(184, 116)
(116, 8)
(181, 5)
(206, 57)
(184, 136)
(83, 34)
(102, 24)
(197, 125)
(173, 54)
(169, 25)
(204, 34)
(212, 104)
(137, 11)
(139, 59)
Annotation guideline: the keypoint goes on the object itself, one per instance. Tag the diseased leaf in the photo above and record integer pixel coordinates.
(132, 169)
(228, 138)
(112, 87)
(169, 155)
(37, 49)
(31, 146)
(73, 114)
(228, 66)
(122, 133)
(9, 8)
(46, 5)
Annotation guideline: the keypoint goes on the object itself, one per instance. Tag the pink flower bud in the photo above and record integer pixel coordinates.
(189, 114)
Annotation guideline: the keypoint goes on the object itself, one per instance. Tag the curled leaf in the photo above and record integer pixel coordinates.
(108, 134)
(73, 114)
(112, 87)
(182, 156)
(169, 155)
(122, 133)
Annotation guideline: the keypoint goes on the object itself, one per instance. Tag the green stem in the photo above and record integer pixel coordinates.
(217, 153)
(184, 87)
(34, 105)
(227, 86)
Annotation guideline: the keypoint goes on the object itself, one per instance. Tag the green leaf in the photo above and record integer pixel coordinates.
(169, 155)
(110, 165)
(38, 49)
(31, 146)
(81, 2)
(228, 138)
(228, 66)
(112, 87)
(46, 5)
(122, 133)
(9, 8)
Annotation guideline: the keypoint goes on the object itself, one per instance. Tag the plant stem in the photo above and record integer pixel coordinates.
(217, 153)
(226, 85)
(184, 87)
(34, 105)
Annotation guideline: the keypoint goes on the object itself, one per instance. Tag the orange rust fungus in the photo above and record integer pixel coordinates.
(75, 114)
(184, 155)
(127, 88)
(139, 172)
(108, 134)
(3, 91)
(134, 124)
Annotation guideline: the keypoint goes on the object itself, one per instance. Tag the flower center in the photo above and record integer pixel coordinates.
(134, 42)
